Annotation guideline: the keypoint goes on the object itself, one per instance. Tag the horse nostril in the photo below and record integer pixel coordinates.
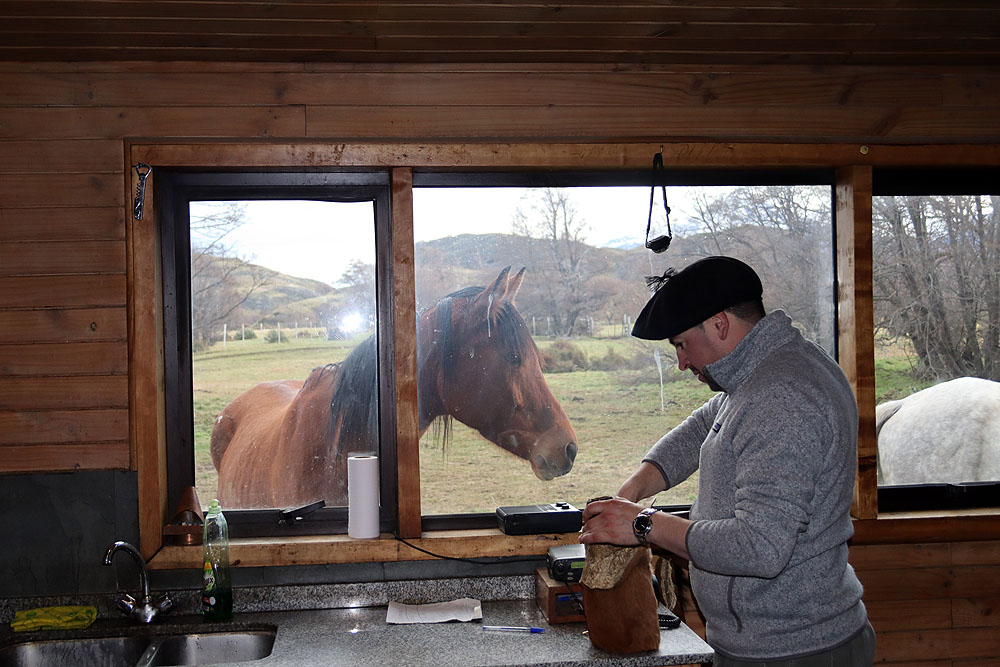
(571, 450)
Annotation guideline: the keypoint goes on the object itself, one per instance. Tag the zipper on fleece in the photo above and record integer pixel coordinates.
(732, 606)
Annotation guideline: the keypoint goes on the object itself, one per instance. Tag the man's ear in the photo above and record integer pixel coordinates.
(719, 324)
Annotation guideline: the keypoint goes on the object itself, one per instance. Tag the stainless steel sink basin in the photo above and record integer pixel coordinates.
(157, 650)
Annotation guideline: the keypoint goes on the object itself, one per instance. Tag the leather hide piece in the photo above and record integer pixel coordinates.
(619, 600)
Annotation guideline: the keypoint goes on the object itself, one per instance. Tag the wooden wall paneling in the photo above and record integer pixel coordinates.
(598, 123)
(64, 393)
(63, 458)
(895, 615)
(976, 613)
(48, 291)
(405, 355)
(64, 157)
(62, 224)
(118, 122)
(146, 384)
(35, 359)
(61, 257)
(855, 318)
(900, 556)
(468, 86)
(28, 427)
(528, 155)
(52, 325)
(81, 189)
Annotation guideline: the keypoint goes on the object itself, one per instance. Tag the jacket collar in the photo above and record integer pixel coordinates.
(766, 336)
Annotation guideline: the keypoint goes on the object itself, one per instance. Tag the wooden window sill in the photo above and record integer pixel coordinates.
(330, 549)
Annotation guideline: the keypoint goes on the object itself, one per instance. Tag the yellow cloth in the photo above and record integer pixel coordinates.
(53, 618)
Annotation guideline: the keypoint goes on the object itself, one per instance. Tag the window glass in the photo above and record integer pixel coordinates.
(937, 324)
(548, 398)
(282, 313)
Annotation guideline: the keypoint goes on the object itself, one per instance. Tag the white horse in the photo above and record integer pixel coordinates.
(948, 433)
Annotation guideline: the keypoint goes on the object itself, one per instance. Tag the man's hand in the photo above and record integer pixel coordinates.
(610, 522)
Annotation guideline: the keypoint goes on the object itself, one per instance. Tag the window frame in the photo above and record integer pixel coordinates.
(851, 163)
(177, 189)
(936, 181)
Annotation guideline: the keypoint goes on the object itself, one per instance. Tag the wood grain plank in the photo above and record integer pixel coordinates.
(262, 552)
(947, 527)
(118, 122)
(63, 426)
(597, 123)
(62, 224)
(931, 583)
(555, 155)
(146, 373)
(900, 556)
(62, 325)
(104, 358)
(59, 458)
(952, 644)
(55, 189)
(893, 615)
(64, 393)
(80, 291)
(61, 258)
(975, 553)
(405, 355)
(975, 612)
(855, 317)
(64, 156)
(476, 88)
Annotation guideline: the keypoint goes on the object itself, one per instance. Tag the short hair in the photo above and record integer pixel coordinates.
(751, 311)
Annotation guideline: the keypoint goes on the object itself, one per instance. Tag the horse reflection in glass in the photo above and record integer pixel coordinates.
(286, 442)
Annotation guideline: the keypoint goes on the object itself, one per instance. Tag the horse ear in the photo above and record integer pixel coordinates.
(493, 295)
(515, 284)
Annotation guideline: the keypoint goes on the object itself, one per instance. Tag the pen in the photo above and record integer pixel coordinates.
(512, 628)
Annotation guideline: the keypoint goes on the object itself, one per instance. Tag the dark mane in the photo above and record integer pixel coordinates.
(355, 396)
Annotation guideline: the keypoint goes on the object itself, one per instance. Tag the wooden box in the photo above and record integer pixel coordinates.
(559, 601)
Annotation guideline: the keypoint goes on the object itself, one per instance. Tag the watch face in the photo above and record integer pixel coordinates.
(642, 525)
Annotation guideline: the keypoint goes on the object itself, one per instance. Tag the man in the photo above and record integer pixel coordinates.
(776, 450)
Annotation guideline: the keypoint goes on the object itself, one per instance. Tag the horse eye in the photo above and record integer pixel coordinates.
(514, 358)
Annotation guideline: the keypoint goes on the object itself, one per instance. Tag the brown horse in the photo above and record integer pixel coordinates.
(286, 442)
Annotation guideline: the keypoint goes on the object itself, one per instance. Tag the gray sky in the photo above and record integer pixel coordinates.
(317, 240)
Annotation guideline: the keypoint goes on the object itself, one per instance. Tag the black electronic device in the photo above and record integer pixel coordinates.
(565, 562)
(534, 519)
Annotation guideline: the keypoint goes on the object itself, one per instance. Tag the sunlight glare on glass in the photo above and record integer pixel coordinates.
(351, 322)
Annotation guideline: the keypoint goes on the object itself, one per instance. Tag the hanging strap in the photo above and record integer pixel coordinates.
(660, 243)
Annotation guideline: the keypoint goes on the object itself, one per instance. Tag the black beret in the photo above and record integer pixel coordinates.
(692, 295)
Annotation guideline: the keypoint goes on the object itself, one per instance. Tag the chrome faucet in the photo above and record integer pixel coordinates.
(145, 610)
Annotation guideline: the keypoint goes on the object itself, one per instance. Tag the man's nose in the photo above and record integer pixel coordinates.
(682, 362)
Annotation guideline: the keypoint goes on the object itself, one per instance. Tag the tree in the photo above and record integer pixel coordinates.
(221, 281)
(937, 280)
(549, 217)
(785, 233)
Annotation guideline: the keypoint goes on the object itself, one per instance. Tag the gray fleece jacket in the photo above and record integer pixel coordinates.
(777, 453)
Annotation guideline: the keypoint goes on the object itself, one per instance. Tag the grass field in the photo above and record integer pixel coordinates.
(616, 414)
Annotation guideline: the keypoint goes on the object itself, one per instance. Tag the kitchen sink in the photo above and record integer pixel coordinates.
(143, 650)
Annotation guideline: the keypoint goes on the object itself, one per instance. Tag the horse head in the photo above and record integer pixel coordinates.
(479, 365)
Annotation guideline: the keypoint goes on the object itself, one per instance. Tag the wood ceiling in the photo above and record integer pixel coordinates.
(656, 32)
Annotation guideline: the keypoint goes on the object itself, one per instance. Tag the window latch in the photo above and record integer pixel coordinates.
(289, 517)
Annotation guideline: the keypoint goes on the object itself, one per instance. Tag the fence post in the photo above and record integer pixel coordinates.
(225, 335)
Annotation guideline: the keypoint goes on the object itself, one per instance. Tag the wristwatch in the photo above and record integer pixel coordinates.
(642, 524)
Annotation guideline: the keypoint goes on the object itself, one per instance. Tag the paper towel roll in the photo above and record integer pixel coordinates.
(362, 496)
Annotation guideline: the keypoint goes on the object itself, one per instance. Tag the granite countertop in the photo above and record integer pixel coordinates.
(361, 636)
